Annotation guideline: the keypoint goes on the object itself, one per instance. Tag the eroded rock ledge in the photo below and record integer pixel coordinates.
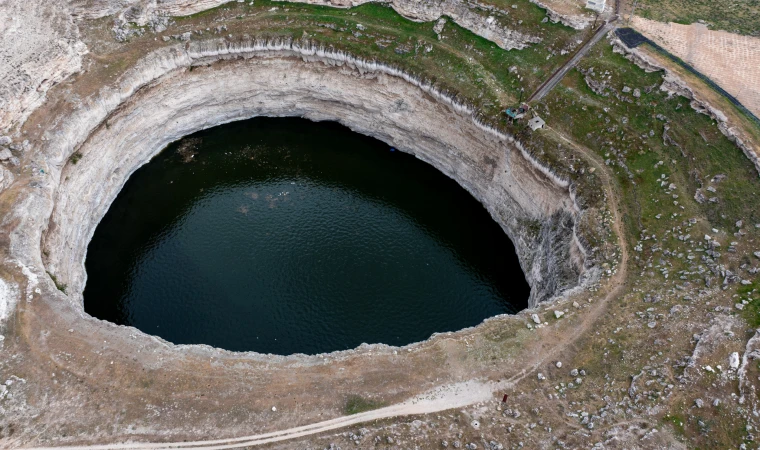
(464, 13)
(162, 100)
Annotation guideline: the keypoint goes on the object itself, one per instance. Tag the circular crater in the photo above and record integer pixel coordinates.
(289, 236)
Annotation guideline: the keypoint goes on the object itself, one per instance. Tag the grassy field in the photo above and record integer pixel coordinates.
(661, 151)
(629, 134)
(735, 16)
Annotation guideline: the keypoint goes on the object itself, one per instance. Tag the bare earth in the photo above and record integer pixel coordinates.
(731, 60)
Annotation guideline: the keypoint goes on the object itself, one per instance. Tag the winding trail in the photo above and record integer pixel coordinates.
(615, 285)
(442, 398)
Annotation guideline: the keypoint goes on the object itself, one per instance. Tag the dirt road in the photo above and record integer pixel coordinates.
(439, 399)
(549, 84)
(615, 284)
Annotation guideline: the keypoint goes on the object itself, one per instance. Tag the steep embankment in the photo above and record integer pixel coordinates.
(535, 208)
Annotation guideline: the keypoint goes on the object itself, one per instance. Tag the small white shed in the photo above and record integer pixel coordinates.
(596, 5)
(536, 123)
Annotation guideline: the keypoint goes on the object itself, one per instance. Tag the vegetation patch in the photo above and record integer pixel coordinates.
(749, 304)
(60, 286)
(357, 404)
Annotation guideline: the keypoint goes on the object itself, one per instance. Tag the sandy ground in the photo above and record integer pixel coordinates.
(729, 59)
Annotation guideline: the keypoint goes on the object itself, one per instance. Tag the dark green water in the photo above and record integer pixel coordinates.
(287, 236)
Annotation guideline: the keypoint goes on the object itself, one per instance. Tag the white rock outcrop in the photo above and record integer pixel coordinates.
(39, 48)
(465, 14)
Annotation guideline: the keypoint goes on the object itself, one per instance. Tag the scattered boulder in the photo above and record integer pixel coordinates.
(438, 27)
(733, 360)
(718, 178)
(535, 318)
(558, 314)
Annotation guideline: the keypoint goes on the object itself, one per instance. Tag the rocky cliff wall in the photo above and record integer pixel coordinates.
(42, 47)
(471, 15)
(161, 100)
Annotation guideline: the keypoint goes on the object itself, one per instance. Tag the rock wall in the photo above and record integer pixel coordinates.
(39, 47)
(161, 100)
(578, 21)
(464, 13)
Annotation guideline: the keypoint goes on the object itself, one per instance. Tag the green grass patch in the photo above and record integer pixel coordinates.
(630, 135)
(751, 311)
(357, 404)
(60, 286)
(676, 421)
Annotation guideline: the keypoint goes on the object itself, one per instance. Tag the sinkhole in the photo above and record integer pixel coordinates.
(283, 236)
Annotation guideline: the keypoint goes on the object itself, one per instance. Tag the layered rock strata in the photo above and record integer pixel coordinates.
(161, 101)
(575, 21)
(470, 15)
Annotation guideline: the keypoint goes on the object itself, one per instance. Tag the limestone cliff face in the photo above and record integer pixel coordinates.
(160, 101)
(39, 47)
(469, 15)
(463, 13)
(576, 21)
